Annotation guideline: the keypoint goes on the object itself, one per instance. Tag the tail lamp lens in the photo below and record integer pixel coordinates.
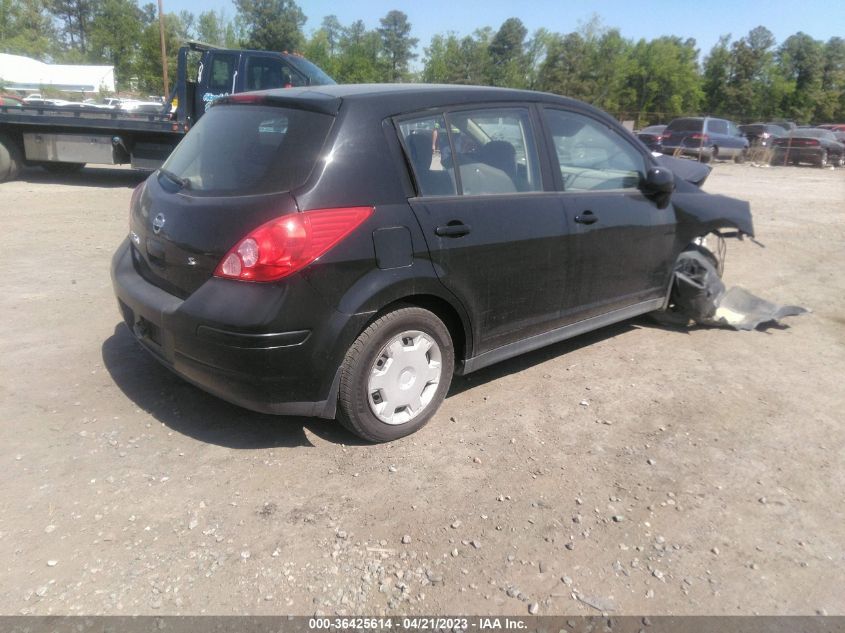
(289, 243)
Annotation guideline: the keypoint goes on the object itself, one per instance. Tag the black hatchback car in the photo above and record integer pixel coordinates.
(340, 251)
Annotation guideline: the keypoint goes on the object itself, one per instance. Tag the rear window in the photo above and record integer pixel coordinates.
(249, 149)
(686, 125)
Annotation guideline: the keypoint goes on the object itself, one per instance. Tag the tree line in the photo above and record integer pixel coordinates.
(753, 77)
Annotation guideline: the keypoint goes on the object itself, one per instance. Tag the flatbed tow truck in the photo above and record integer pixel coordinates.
(64, 139)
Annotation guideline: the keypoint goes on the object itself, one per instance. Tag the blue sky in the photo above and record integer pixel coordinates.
(705, 21)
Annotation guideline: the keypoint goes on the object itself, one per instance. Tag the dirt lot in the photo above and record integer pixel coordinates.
(634, 470)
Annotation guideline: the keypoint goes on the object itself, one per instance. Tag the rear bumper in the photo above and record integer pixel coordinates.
(703, 152)
(263, 366)
(797, 154)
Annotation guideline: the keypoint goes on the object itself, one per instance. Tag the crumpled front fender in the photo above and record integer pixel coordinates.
(699, 213)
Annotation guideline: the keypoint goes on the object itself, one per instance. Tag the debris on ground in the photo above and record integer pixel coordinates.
(699, 295)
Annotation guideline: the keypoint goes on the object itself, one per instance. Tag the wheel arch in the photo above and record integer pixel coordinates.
(453, 320)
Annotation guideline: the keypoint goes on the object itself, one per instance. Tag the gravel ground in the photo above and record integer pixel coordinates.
(633, 470)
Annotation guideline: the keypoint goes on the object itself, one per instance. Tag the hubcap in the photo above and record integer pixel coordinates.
(404, 377)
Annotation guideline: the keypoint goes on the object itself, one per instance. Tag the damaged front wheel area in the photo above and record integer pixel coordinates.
(699, 295)
(696, 288)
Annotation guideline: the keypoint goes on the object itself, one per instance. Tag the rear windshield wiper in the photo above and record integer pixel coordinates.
(183, 183)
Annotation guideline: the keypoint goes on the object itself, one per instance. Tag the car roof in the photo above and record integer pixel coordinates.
(393, 99)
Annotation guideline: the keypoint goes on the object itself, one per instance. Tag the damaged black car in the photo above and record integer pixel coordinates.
(342, 251)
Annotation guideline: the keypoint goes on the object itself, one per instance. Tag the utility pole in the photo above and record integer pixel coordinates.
(163, 51)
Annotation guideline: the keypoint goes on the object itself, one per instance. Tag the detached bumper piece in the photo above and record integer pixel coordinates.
(700, 295)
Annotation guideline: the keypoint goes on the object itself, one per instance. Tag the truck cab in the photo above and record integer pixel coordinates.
(221, 72)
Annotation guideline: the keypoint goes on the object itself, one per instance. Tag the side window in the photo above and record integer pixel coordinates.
(223, 67)
(591, 155)
(494, 151)
(424, 140)
(717, 126)
(264, 73)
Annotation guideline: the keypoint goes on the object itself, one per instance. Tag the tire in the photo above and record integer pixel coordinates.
(823, 159)
(11, 159)
(670, 315)
(740, 158)
(63, 168)
(377, 403)
(840, 162)
(711, 155)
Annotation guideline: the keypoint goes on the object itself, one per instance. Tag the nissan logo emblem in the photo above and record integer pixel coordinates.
(158, 223)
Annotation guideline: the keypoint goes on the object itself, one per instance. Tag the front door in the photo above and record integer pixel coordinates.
(621, 238)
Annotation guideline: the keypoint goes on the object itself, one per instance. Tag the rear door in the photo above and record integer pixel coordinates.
(494, 234)
(618, 255)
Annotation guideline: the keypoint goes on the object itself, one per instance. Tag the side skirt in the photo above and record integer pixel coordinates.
(560, 334)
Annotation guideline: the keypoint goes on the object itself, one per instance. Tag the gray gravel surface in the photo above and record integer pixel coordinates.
(633, 470)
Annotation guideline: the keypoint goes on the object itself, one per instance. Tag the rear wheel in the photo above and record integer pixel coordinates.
(711, 155)
(63, 168)
(740, 158)
(395, 375)
(823, 162)
(11, 159)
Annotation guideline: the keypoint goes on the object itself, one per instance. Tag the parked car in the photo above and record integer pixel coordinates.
(307, 252)
(786, 125)
(809, 145)
(762, 134)
(705, 138)
(10, 100)
(652, 137)
(833, 127)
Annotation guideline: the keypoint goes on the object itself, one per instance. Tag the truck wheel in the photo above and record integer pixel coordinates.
(63, 168)
(395, 375)
(10, 159)
(823, 159)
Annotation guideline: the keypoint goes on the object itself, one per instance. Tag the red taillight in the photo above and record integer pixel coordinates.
(289, 243)
(245, 98)
(699, 137)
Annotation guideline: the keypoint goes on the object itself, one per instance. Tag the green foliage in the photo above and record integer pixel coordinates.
(507, 59)
(148, 76)
(750, 78)
(26, 29)
(453, 60)
(76, 17)
(115, 31)
(273, 25)
(397, 44)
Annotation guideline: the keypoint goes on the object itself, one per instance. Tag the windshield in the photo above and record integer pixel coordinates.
(686, 125)
(248, 149)
(810, 133)
(315, 74)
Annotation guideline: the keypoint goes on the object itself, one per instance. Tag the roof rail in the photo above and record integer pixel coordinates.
(195, 45)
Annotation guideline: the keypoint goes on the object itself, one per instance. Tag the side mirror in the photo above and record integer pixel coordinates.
(659, 184)
(659, 180)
